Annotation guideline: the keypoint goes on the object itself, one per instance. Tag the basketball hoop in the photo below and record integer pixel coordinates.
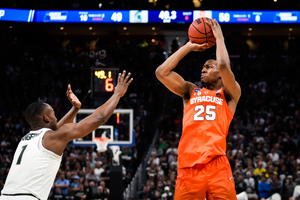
(101, 143)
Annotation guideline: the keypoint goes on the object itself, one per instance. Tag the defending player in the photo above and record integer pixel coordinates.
(38, 155)
(203, 168)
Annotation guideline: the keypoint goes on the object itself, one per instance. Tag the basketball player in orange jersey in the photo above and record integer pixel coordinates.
(203, 168)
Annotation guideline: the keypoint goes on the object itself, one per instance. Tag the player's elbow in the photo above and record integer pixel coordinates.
(102, 118)
(161, 73)
(158, 72)
(222, 65)
(97, 119)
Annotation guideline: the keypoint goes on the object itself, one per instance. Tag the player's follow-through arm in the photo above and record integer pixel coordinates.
(223, 62)
(173, 81)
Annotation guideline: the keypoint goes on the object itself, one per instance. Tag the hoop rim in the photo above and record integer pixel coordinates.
(101, 143)
(100, 140)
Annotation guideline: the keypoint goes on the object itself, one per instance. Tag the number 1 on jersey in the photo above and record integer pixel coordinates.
(21, 154)
(209, 110)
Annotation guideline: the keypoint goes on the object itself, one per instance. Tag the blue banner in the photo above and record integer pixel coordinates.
(250, 16)
(92, 16)
(145, 16)
(16, 15)
(82, 16)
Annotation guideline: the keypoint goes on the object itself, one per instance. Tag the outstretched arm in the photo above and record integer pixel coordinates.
(223, 62)
(173, 81)
(56, 141)
(69, 117)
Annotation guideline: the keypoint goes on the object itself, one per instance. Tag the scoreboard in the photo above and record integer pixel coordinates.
(92, 16)
(250, 16)
(147, 16)
(103, 81)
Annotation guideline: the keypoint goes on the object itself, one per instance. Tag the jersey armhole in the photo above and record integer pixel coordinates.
(46, 151)
(227, 107)
(197, 87)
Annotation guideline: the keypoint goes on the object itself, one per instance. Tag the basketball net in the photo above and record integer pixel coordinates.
(101, 143)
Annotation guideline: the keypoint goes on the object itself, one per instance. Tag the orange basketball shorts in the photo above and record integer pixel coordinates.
(213, 181)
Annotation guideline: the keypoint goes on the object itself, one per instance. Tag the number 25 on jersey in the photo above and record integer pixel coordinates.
(209, 111)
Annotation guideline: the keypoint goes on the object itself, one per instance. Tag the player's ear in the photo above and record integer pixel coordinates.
(46, 119)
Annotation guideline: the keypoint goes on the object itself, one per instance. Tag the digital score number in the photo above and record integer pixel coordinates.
(173, 16)
(224, 17)
(109, 86)
(166, 16)
(104, 80)
(117, 17)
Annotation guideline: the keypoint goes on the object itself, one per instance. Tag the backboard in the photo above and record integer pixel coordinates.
(119, 128)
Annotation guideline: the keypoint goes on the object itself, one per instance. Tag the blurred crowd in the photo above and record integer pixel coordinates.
(262, 142)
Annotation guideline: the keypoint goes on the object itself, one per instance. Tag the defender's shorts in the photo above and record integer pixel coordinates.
(213, 181)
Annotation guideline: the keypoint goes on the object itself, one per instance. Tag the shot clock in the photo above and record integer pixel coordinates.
(103, 81)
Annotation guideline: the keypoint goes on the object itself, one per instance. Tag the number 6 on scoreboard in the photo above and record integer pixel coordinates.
(109, 86)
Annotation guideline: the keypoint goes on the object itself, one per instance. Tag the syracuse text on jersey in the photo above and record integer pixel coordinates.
(205, 98)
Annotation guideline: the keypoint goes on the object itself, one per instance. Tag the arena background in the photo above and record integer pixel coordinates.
(38, 60)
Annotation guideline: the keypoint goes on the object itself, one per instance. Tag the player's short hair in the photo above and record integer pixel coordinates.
(34, 111)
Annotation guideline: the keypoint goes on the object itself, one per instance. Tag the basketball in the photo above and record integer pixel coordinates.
(199, 32)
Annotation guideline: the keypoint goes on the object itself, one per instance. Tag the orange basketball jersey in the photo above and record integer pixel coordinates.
(206, 119)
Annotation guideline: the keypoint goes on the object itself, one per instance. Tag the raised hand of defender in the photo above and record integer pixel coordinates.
(123, 83)
(72, 98)
(215, 27)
